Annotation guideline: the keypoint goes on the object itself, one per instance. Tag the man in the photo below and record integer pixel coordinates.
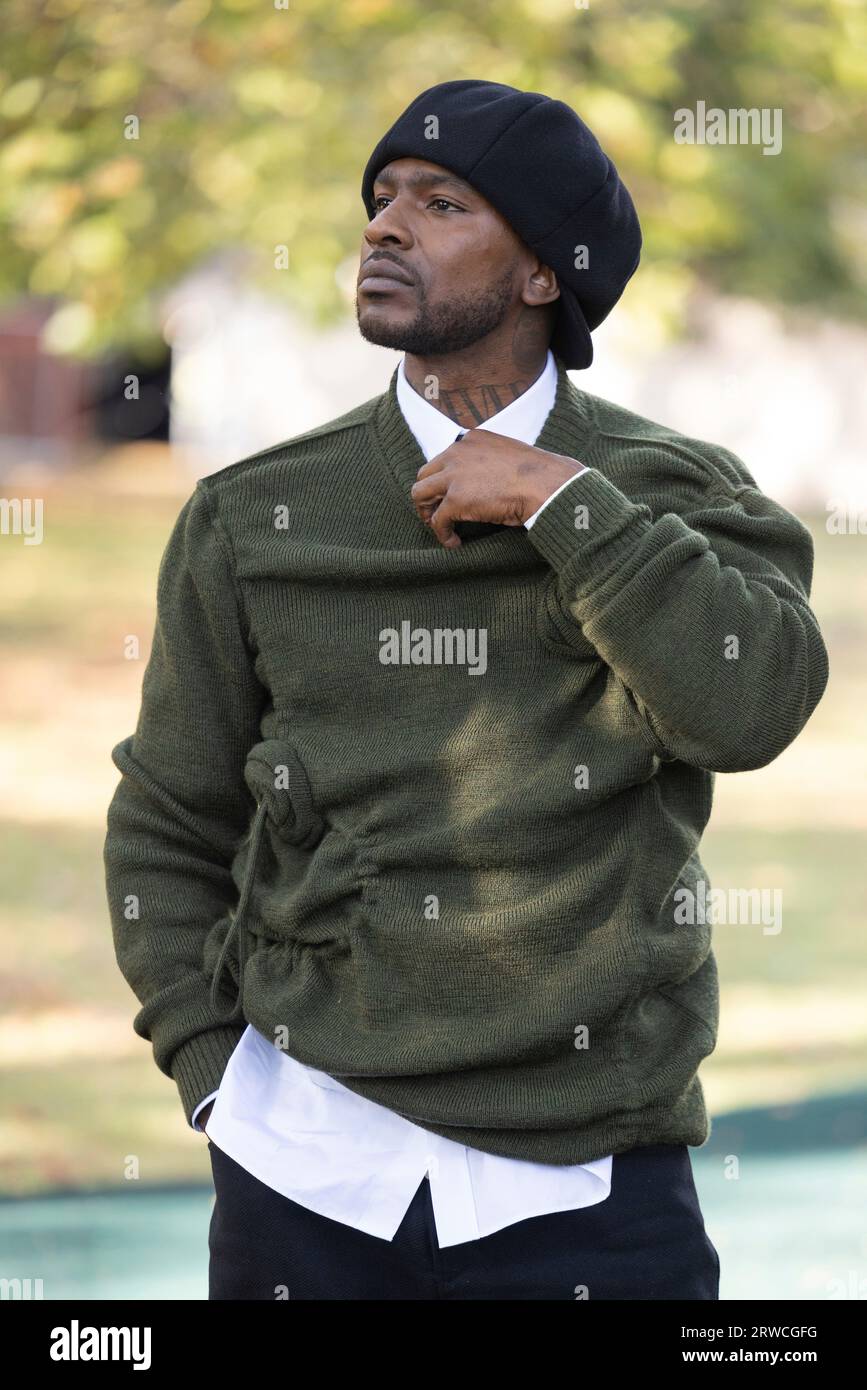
(426, 748)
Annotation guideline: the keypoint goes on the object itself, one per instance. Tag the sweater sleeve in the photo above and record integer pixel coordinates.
(702, 615)
(182, 805)
(548, 500)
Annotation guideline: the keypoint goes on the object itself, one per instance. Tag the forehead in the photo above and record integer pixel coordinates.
(418, 173)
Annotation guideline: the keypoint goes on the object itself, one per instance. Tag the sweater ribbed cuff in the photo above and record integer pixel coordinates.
(198, 1065)
(612, 525)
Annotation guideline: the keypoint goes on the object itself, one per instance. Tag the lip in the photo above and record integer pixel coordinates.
(382, 275)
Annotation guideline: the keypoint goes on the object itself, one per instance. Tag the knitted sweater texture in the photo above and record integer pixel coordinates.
(427, 818)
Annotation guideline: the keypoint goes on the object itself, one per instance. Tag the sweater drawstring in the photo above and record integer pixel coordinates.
(238, 926)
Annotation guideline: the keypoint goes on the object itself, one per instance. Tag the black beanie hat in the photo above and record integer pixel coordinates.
(543, 170)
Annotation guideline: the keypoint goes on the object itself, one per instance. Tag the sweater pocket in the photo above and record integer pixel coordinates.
(284, 812)
(296, 871)
(697, 996)
(278, 780)
(666, 1033)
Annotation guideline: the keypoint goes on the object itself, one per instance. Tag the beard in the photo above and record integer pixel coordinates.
(443, 328)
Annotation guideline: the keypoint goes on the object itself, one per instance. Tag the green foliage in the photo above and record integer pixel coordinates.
(255, 119)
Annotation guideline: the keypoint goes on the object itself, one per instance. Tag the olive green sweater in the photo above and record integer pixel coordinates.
(431, 807)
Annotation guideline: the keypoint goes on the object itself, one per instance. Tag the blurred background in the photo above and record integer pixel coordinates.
(182, 219)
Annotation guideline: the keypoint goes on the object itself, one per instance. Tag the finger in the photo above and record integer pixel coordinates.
(426, 496)
(425, 513)
(442, 527)
(434, 464)
(428, 489)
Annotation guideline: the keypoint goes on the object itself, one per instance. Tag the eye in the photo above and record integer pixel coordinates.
(382, 197)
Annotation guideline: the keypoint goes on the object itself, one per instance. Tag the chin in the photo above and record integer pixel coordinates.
(376, 326)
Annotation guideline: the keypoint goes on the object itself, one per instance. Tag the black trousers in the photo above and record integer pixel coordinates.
(645, 1241)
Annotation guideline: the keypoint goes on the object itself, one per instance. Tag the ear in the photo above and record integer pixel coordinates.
(541, 286)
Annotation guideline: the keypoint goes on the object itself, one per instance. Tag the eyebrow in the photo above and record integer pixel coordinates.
(422, 179)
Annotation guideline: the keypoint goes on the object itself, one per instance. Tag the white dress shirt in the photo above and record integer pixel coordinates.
(306, 1135)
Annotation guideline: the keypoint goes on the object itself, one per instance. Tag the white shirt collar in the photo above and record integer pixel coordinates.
(520, 419)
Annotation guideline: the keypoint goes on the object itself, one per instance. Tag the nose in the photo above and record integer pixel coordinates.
(388, 227)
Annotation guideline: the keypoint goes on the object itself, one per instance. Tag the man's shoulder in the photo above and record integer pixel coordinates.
(306, 445)
(620, 429)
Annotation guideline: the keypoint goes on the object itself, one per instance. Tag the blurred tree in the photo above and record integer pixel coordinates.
(139, 138)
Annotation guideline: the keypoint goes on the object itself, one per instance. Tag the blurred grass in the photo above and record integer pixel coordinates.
(81, 1094)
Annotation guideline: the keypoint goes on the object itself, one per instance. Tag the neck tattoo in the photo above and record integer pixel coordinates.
(468, 406)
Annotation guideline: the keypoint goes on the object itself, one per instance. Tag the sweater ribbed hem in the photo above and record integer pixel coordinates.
(198, 1065)
(684, 1120)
